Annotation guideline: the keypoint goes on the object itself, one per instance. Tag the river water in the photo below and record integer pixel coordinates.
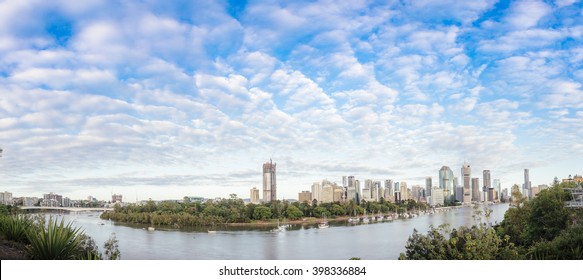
(374, 241)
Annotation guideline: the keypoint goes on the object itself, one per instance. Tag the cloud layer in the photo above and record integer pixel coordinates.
(174, 99)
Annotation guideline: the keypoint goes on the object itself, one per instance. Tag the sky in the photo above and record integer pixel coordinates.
(166, 99)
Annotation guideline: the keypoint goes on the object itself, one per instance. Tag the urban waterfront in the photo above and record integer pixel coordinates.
(383, 240)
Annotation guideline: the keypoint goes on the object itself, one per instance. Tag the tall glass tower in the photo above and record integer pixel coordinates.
(446, 183)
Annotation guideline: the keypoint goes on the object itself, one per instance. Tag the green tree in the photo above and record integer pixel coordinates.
(320, 211)
(293, 212)
(337, 210)
(548, 215)
(475, 243)
(111, 247)
(567, 246)
(262, 213)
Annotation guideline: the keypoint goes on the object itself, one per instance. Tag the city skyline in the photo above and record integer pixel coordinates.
(268, 176)
(165, 100)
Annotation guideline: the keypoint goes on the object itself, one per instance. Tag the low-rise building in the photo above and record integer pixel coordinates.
(305, 196)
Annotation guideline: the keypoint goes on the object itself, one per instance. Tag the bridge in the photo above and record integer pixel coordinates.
(66, 209)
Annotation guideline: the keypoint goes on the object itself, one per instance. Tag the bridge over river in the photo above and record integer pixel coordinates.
(65, 209)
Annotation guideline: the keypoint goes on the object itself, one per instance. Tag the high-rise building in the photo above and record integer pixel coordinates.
(366, 194)
(437, 197)
(254, 195)
(377, 190)
(389, 191)
(316, 192)
(497, 189)
(428, 186)
(269, 182)
(476, 190)
(350, 181)
(327, 194)
(527, 186)
(404, 191)
(6, 197)
(358, 192)
(116, 198)
(487, 186)
(446, 183)
(466, 175)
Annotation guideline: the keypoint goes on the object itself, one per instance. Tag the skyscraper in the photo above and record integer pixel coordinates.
(446, 183)
(526, 187)
(269, 182)
(466, 175)
(316, 191)
(497, 189)
(487, 186)
(428, 186)
(476, 189)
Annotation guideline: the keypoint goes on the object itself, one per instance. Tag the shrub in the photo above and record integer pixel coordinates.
(55, 242)
(15, 227)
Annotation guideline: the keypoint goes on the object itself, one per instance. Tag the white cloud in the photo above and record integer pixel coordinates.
(527, 14)
(522, 40)
(298, 90)
(563, 3)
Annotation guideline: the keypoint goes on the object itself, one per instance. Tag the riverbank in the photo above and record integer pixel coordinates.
(304, 221)
(10, 250)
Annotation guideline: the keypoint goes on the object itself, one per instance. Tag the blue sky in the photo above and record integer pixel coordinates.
(162, 99)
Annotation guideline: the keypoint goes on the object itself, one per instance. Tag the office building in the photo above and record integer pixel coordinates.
(497, 189)
(487, 185)
(466, 178)
(305, 196)
(428, 186)
(316, 191)
(437, 197)
(6, 198)
(446, 183)
(476, 190)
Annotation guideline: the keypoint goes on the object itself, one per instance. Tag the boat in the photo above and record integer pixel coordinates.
(365, 219)
(211, 231)
(151, 229)
(353, 220)
(323, 223)
(279, 228)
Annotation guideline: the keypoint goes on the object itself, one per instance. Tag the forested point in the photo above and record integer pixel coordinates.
(234, 210)
(539, 229)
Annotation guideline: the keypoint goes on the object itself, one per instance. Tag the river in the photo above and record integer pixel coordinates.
(374, 241)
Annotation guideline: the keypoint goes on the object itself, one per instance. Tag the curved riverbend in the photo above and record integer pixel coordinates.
(342, 240)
